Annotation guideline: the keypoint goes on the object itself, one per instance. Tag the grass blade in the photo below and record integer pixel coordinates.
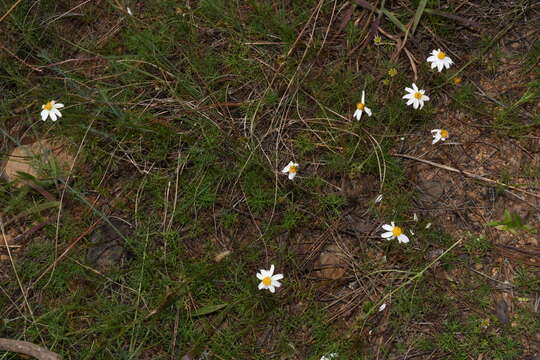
(418, 15)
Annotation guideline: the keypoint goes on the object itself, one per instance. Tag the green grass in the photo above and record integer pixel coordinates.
(182, 118)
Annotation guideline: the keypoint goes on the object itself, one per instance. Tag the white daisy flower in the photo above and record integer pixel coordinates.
(291, 168)
(382, 307)
(439, 134)
(51, 109)
(269, 280)
(415, 96)
(393, 232)
(361, 107)
(439, 60)
(329, 356)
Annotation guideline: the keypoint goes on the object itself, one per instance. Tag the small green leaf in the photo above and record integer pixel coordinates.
(511, 223)
(208, 309)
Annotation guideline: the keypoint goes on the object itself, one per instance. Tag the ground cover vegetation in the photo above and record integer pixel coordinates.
(245, 179)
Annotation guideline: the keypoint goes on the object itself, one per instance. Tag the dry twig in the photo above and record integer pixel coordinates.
(467, 173)
(26, 348)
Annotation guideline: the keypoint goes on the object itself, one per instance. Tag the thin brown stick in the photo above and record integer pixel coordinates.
(18, 58)
(26, 348)
(10, 10)
(467, 173)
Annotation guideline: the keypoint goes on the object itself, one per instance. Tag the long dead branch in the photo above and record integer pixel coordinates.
(27, 348)
(468, 174)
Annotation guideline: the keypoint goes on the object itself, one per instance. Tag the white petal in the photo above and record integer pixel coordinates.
(433, 64)
(292, 175)
(58, 106)
(53, 116)
(440, 66)
(387, 227)
(261, 286)
(408, 96)
(271, 272)
(382, 307)
(421, 101)
(260, 276)
(357, 114)
(431, 58)
(363, 97)
(56, 112)
(425, 98)
(368, 111)
(277, 277)
(272, 289)
(387, 235)
(416, 103)
(44, 115)
(276, 284)
(392, 223)
(415, 88)
(409, 90)
(411, 101)
(403, 238)
(435, 131)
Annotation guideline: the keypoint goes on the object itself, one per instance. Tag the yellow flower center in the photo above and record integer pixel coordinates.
(441, 55)
(360, 106)
(293, 169)
(267, 281)
(48, 106)
(457, 80)
(418, 95)
(444, 133)
(396, 231)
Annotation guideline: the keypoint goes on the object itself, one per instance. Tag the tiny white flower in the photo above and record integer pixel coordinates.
(439, 60)
(428, 225)
(51, 109)
(415, 96)
(291, 168)
(378, 199)
(269, 280)
(361, 107)
(129, 11)
(394, 232)
(382, 307)
(438, 135)
(329, 356)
